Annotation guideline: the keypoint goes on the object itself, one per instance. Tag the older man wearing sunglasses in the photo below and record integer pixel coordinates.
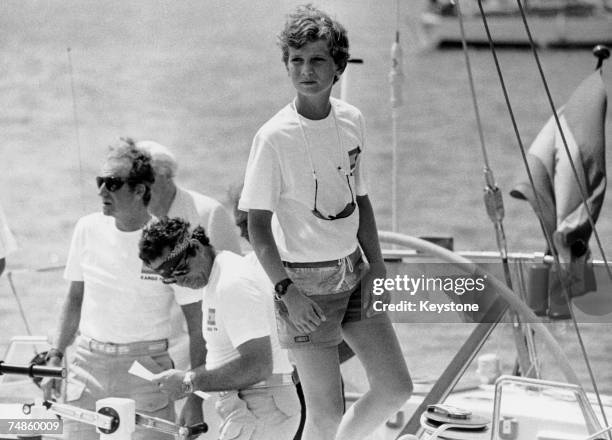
(118, 308)
(245, 362)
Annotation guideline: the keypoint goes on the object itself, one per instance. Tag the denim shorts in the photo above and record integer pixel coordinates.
(337, 290)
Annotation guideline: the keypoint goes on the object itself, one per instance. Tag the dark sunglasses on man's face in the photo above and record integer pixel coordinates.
(112, 184)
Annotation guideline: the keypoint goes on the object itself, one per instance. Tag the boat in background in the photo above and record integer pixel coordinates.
(524, 406)
(553, 23)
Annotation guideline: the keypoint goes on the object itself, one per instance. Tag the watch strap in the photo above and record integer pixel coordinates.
(281, 287)
(188, 385)
(54, 352)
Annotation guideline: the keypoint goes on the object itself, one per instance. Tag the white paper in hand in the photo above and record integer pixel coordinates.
(137, 369)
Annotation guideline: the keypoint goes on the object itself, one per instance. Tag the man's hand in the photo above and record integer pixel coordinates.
(377, 270)
(192, 411)
(52, 387)
(305, 314)
(170, 382)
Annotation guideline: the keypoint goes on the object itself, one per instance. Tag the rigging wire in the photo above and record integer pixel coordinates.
(82, 198)
(22, 313)
(76, 127)
(585, 205)
(396, 78)
(539, 210)
(78, 142)
(397, 17)
(9, 276)
(581, 188)
(566, 292)
(495, 209)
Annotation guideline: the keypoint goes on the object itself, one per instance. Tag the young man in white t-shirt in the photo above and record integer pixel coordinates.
(310, 219)
(244, 360)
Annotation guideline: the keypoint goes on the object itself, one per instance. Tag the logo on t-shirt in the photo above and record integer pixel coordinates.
(353, 157)
(148, 274)
(210, 320)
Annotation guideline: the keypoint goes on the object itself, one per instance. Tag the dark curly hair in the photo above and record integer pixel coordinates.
(200, 234)
(142, 167)
(308, 24)
(165, 234)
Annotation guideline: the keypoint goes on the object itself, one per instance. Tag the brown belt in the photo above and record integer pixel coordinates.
(354, 257)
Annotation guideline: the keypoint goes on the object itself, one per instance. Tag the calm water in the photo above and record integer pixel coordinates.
(203, 76)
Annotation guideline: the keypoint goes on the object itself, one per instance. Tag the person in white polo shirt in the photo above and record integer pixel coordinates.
(245, 363)
(116, 307)
(168, 199)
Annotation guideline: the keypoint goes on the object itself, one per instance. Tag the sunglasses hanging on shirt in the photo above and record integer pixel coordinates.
(350, 207)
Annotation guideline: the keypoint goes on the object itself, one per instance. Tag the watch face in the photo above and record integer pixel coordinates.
(281, 287)
(187, 385)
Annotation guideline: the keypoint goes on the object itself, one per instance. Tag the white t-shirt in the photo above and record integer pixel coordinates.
(237, 308)
(124, 301)
(199, 209)
(7, 241)
(279, 178)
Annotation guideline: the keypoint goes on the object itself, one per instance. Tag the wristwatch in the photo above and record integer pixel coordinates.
(54, 352)
(187, 386)
(281, 287)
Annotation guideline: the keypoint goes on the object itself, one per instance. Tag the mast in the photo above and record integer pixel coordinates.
(396, 79)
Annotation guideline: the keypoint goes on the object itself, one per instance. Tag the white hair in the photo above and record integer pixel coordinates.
(163, 161)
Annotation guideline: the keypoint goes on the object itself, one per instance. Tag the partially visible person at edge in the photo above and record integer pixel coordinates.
(258, 400)
(116, 307)
(241, 219)
(310, 219)
(7, 241)
(168, 199)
